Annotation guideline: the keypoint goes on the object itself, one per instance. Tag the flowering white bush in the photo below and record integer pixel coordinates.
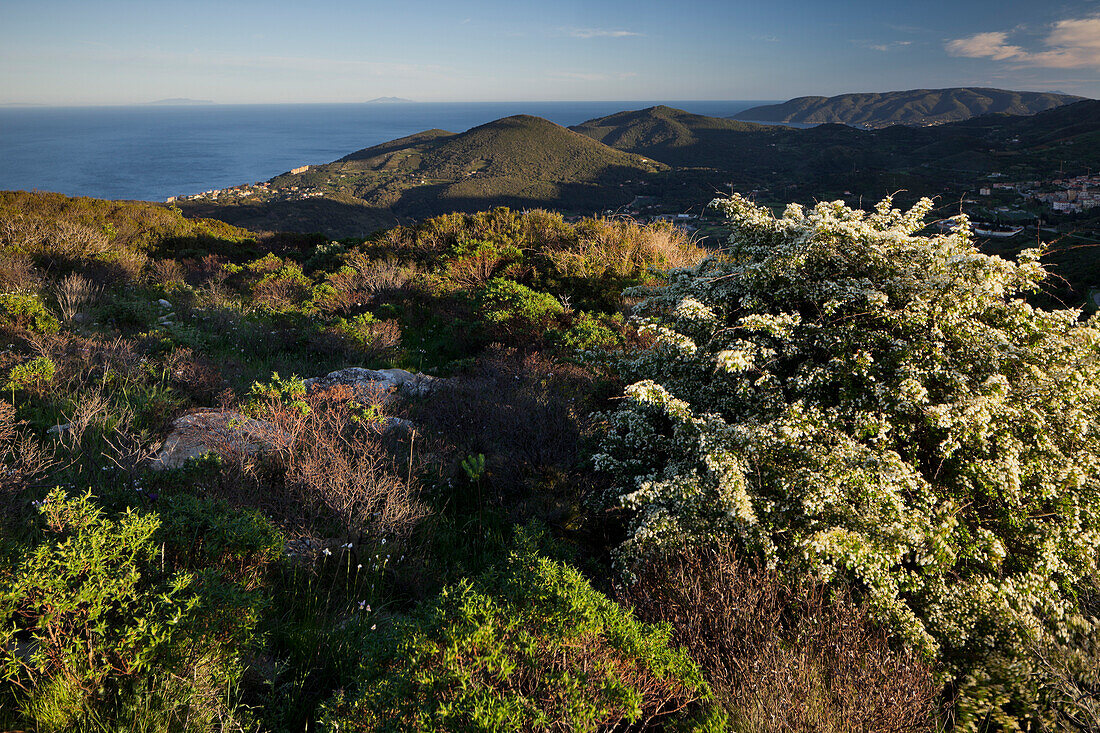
(876, 407)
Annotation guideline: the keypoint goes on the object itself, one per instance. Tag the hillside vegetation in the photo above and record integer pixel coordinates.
(240, 594)
(834, 475)
(915, 107)
(676, 137)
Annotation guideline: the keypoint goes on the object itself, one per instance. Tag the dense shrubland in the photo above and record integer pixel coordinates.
(850, 485)
(879, 409)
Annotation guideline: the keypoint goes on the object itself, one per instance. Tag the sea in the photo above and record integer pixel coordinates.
(151, 152)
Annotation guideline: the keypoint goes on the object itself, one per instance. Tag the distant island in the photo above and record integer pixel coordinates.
(388, 100)
(915, 107)
(180, 101)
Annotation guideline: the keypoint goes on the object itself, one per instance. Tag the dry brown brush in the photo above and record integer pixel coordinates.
(327, 457)
(781, 655)
(22, 459)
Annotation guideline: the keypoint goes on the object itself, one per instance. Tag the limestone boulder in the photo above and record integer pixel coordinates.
(201, 432)
(385, 382)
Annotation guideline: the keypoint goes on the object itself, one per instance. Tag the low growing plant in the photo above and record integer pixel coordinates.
(90, 616)
(534, 649)
(26, 311)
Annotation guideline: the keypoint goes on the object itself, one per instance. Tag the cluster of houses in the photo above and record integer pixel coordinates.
(248, 190)
(1064, 195)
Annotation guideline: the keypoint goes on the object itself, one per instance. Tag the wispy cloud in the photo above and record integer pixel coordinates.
(766, 39)
(884, 47)
(600, 33)
(1069, 44)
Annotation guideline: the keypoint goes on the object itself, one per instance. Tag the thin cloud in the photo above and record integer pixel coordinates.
(600, 33)
(1070, 44)
(885, 47)
(766, 39)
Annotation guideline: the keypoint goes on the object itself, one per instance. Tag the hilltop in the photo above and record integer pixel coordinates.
(520, 161)
(521, 145)
(676, 137)
(915, 107)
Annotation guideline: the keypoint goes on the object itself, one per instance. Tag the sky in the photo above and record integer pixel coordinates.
(90, 52)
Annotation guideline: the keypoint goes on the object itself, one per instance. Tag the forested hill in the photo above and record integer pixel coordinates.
(913, 107)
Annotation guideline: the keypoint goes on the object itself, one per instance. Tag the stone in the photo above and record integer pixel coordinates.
(164, 303)
(397, 424)
(385, 381)
(59, 429)
(200, 432)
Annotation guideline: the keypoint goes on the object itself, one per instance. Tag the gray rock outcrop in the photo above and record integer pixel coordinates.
(201, 432)
(385, 382)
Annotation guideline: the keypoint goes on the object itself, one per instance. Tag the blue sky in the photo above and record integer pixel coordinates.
(129, 51)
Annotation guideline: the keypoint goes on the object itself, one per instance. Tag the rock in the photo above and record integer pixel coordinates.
(384, 381)
(397, 424)
(164, 303)
(59, 429)
(199, 433)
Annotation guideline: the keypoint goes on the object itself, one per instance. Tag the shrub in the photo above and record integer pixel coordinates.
(25, 311)
(784, 655)
(37, 372)
(21, 460)
(89, 617)
(73, 293)
(326, 461)
(361, 280)
(590, 333)
(377, 340)
(283, 288)
(875, 406)
(473, 262)
(517, 309)
(622, 249)
(538, 649)
(240, 545)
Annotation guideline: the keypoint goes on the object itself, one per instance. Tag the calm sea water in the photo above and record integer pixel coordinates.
(150, 153)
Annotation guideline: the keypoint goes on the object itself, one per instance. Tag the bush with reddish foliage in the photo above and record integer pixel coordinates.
(784, 654)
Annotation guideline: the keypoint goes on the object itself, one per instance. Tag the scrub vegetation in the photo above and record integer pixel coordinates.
(836, 474)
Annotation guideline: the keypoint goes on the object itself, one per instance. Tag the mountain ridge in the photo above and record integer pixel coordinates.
(914, 107)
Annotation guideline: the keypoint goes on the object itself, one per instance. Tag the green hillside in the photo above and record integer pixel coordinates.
(514, 146)
(677, 137)
(913, 107)
(662, 154)
(131, 225)
(522, 162)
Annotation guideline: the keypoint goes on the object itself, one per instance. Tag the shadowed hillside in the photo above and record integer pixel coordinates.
(914, 107)
(677, 137)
